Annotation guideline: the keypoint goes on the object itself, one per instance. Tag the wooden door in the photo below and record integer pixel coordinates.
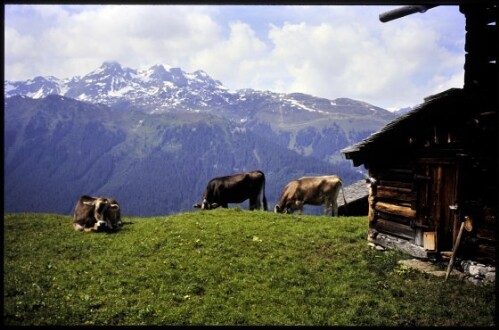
(438, 201)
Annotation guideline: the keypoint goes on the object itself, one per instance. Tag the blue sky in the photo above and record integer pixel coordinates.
(326, 51)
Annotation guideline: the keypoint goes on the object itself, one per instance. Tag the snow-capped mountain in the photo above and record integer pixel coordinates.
(297, 121)
(167, 89)
(157, 88)
(120, 132)
(35, 88)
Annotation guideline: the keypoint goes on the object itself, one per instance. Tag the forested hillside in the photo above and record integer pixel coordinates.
(57, 149)
(152, 139)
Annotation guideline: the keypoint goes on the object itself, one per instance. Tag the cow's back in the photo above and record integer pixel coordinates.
(315, 190)
(234, 188)
(290, 190)
(81, 209)
(83, 214)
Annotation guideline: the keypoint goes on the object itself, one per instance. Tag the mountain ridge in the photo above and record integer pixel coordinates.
(143, 122)
(112, 82)
(58, 148)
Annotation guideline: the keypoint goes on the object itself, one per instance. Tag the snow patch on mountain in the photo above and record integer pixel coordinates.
(295, 103)
(162, 88)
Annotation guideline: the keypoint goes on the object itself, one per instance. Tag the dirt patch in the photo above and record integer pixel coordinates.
(429, 268)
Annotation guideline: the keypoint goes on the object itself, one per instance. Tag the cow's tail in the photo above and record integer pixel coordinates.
(344, 199)
(264, 199)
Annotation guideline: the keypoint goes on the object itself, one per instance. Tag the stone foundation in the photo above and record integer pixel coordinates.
(468, 270)
(475, 272)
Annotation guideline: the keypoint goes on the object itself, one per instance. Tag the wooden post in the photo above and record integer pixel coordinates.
(454, 249)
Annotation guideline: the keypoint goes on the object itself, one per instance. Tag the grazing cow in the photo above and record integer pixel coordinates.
(311, 190)
(235, 188)
(96, 214)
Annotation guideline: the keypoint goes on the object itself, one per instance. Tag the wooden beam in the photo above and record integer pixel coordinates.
(396, 209)
(486, 234)
(402, 194)
(395, 218)
(396, 184)
(394, 228)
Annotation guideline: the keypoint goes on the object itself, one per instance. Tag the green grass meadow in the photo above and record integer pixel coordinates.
(223, 267)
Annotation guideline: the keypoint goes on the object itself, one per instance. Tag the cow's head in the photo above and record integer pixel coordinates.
(105, 213)
(279, 209)
(113, 215)
(285, 210)
(205, 205)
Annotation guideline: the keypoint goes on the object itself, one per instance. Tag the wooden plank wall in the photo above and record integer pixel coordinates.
(393, 202)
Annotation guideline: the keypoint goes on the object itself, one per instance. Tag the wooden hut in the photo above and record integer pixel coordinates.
(437, 165)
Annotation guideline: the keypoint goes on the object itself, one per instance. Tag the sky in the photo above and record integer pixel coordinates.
(328, 51)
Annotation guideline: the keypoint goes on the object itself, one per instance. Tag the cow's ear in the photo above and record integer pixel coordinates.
(92, 203)
(196, 206)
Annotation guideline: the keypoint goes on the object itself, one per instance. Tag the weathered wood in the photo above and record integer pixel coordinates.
(394, 228)
(422, 177)
(395, 209)
(429, 240)
(423, 203)
(486, 234)
(396, 184)
(396, 174)
(391, 242)
(486, 249)
(438, 160)
(474, 42)
(454, 249)
(371, 215)
(401, 194)
(395, 218)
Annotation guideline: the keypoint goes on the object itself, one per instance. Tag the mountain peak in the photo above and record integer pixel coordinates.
(113, 65)
(162, 88)
(157, 71)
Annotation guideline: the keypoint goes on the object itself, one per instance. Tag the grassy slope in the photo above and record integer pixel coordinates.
(222, 267)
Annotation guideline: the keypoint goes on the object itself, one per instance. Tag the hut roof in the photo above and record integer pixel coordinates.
(354, 192)
(442, 107)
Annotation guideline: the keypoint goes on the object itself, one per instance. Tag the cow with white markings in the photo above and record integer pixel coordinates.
(96, 214)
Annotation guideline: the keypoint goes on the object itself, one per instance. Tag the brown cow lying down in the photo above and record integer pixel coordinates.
(235, 188)
(316, 190)
(96, 214)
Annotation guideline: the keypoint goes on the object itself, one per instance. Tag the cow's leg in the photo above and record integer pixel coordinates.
(335, 209)
(299, 206)
(225, 205)
(254, 204)
(327, 205)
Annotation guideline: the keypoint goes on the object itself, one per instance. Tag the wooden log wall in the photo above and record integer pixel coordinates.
(480, 68)
(392, 202)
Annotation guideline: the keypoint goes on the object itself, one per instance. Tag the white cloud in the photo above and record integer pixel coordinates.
(234, 59)
(395, 64)
(19, 47)
(133, 35)
(327, 51)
